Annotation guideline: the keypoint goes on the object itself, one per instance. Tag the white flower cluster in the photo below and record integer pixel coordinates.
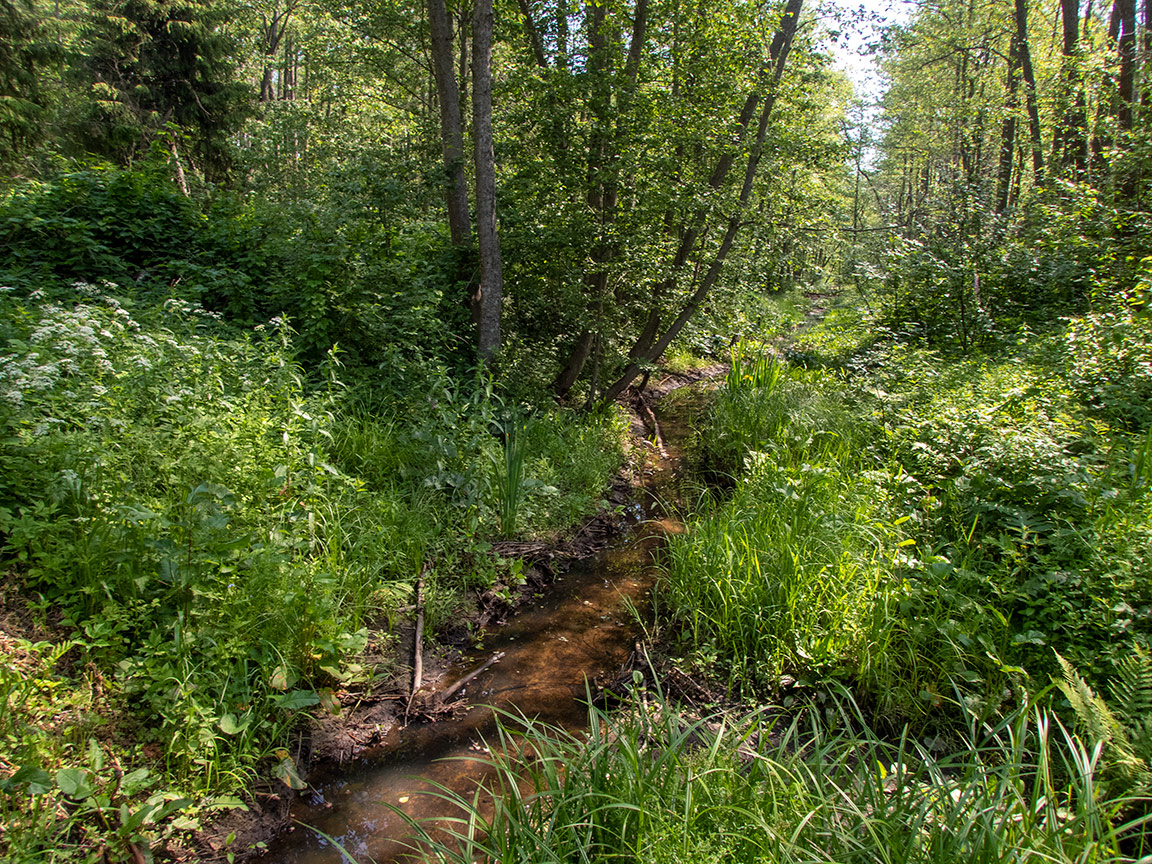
(81, 364)
(68, 344)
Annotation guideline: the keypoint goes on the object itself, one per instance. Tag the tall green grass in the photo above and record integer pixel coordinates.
(785, 573)
(788, 586)
(509, 479)
(928, 526)
(646, 785)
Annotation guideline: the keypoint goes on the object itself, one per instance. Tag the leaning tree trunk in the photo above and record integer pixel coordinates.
(1029, 89)
(781, 45)
(491, 267)
(611, 118)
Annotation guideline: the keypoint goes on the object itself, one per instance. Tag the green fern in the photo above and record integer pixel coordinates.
(1125, 727)
(1132, 701)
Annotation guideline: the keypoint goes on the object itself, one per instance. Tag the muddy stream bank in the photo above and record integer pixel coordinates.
(577, 633)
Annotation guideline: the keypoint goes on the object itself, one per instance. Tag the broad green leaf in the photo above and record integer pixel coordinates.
(297, 699)
(227, 802)
(285, 771)
(329, 701)
(279, 679)
(75, 783)
(135, 781)
(39, 781)
(229, 725)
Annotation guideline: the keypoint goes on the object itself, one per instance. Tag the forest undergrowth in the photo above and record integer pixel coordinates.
(930, 573)
(253, 255)
(203, 544)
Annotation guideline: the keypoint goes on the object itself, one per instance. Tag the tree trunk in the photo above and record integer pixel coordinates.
(491, 268)
(533, 32)
(1029, 90)
(289, 70)
(1101, 138)
(451, 126)
(1008, 127)
(273, 33)
(1146, 90)
(1071, 145)
(610, 132)
(1126, 11)
(691, 233)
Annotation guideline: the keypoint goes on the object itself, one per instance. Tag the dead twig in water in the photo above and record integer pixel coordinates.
(649, 419)
(447, 694)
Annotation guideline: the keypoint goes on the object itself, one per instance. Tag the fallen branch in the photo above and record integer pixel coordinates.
(650, 421)
(447, 694)
(417, 645)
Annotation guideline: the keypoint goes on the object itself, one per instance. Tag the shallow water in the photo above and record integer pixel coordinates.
(554, 647)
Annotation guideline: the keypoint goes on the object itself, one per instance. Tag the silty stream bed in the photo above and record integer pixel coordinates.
(578, 631)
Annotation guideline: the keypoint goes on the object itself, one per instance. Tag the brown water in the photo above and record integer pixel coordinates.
(581, 630)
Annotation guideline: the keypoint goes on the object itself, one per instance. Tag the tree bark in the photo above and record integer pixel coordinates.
(1008, 127)
(1126, 11)
(1101, 139)
(491, 267)
(451, 125)
(1029, 90)
(1071, 144)
(1146, 90)
(274, 29)
(691, 233)
(605, 146)
(533, 32)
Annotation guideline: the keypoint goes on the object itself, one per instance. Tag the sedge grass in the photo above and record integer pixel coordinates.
(647, 785)
(509, 478)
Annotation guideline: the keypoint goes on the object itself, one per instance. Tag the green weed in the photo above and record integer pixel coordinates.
(509, 479)
(218, 535)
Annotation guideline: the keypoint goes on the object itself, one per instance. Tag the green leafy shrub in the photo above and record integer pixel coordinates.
(339, 266)
(217, 531)
(1110, 365)
(132, 227)
(171, 493)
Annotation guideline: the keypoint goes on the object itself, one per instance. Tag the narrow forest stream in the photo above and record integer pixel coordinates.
(580, 631)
